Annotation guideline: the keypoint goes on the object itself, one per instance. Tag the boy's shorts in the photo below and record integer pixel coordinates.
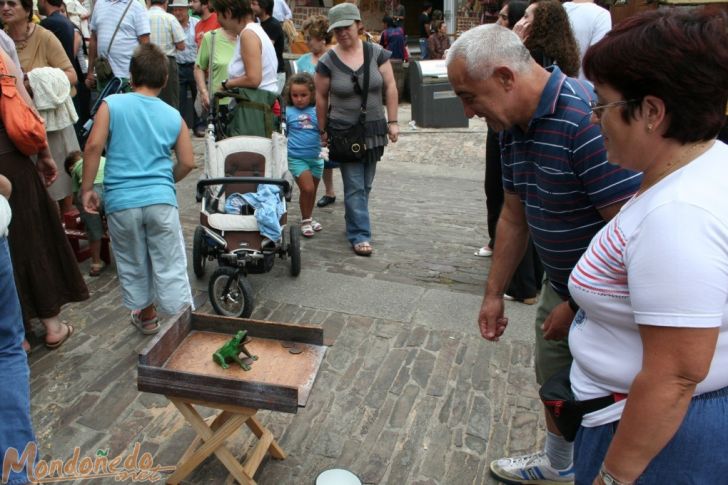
(299, 165)
(150, 258)
(92, 222)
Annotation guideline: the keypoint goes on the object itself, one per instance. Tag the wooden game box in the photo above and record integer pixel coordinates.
(178, 362)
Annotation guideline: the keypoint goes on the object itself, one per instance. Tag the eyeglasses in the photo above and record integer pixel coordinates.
(9, 3)
(598, 109)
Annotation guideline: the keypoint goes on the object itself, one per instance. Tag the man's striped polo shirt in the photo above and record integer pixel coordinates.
(559, 169)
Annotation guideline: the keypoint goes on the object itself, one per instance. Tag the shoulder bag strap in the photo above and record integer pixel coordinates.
(117, 26)
(365, 85)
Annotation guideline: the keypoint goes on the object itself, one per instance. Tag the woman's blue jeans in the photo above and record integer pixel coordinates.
(696, 455)
(16, 429)
(358, 178)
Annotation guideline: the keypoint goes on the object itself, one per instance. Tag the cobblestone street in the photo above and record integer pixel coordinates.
(409, 393)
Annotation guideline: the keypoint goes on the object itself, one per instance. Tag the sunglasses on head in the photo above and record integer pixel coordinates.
(354, 79)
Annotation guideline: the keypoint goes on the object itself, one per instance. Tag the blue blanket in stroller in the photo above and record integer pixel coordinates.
(268, 205)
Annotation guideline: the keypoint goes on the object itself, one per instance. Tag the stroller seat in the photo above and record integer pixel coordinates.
(232, 222)
(241, 157)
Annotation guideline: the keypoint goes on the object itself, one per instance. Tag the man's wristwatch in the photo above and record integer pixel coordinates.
(608, 479)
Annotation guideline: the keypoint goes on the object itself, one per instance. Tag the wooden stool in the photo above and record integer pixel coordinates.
(211, 439)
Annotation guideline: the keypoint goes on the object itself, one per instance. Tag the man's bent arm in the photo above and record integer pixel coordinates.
(512, 240)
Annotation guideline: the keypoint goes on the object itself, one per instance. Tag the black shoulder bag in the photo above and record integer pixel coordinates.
(349, 144)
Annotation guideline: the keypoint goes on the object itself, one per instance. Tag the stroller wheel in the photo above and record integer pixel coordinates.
(230, 293)
(199, 252)
(294, 250)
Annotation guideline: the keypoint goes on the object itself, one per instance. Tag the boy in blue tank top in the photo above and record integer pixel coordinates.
(139, 131)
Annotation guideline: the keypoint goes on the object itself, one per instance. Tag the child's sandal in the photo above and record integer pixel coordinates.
(96, 269)
(307, 228)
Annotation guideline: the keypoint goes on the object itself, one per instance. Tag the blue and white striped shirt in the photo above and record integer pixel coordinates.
(559, 169)
(189, 55)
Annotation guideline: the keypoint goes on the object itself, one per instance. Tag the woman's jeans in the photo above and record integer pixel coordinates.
(16, 429)
(358, 178)
(695, 455)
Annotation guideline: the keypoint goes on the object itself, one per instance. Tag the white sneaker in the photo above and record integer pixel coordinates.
(530, 469)
(484, 252)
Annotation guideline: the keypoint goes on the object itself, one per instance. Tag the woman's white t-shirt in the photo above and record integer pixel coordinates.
(662, 261)
(269, 61)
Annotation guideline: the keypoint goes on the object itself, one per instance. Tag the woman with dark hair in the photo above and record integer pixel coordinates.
(254, 63)
(511, 13)
(653, 284)
(439, 41)
(392, 38)
(546, 31)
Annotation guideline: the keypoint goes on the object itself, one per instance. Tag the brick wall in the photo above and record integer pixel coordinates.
(301, 13)
(466, 22)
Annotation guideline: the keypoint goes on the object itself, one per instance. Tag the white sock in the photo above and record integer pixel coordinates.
(559, 451)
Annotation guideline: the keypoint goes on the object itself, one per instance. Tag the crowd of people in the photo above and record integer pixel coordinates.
(602, 180)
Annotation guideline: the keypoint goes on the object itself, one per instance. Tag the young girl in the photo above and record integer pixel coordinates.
(304, 146)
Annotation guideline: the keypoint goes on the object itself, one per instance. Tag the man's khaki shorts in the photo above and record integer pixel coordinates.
(550, 355)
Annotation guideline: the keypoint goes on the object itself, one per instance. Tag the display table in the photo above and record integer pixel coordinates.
(178, 364)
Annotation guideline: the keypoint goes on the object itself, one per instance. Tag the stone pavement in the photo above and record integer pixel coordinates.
(408, 394)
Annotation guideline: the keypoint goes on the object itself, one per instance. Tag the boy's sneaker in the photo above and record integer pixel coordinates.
(530, 469)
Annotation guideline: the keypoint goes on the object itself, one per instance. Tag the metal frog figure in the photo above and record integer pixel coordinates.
(231, 350)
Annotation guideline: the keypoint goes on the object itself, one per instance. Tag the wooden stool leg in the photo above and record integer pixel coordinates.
(213, 444)
(258, 430)
(219, 420)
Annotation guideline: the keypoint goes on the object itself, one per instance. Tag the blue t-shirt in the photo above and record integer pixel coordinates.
(142, 132)
(304, 141)
(559, 169)
(305, 64)
(393, 40)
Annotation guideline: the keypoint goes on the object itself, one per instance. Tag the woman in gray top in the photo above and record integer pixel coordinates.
(338, 102)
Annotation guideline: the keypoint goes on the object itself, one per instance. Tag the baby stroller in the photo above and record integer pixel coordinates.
(240, 165)
(115, 86)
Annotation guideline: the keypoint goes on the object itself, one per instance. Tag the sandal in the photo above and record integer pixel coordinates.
(144, 325)
(26, 347)
(96, 269)
(57, 344)
(307, 228)
(316, 225)
(363, 249)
